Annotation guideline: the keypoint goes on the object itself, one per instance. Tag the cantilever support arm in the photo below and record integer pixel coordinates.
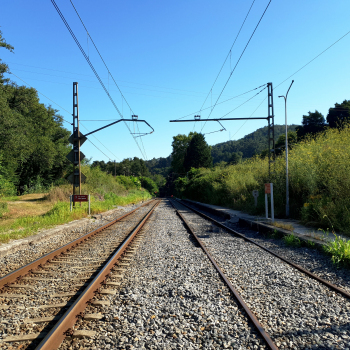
(213, 120)
(120, 120)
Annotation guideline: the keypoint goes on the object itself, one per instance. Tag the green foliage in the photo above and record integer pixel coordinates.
(311, 124)
(318, 178)
(149, 185)
(250, 145)
(339, 115)
(198, 153)
(32, 140)
(292, 240)
(280, 145)
(126, 181)
(3, 66)
(339, 249)
(180, 146)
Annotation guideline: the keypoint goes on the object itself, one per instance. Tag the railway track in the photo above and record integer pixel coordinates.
(41, 302)
(298, 309)
(112, 289)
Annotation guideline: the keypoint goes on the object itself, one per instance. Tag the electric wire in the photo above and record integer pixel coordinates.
(245, 102)
(297, 71)
(88, 75)
(110, 74)
(244, 93)
(92, 68)
(10, 72)
(234, 68)
(228, 55)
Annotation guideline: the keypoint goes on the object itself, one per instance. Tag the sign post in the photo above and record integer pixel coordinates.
(269, 190)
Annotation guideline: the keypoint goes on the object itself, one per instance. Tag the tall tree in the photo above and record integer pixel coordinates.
(312, 123)
(180, 145)
(198, 154)
(339, 114)
(3, 66)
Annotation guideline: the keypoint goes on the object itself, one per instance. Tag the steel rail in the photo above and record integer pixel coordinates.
(64, 326)
(298, 267)
(250, 314)
(22, 271)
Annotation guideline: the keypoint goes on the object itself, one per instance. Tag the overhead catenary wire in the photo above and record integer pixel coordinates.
(305, 65)
(228, 55)
(244, 102)
(234, 68)
(231, 98)
(93, 69)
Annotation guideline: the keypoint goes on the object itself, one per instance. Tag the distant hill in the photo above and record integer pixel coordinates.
(249, 145)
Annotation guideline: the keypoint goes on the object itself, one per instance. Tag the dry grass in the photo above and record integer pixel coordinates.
(26, 205)
(288, 227)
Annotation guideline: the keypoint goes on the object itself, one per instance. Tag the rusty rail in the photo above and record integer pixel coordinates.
(250, 314)
(57, 334)
(298, 267)
(22, 271)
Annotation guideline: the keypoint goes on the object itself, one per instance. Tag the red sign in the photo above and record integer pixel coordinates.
(267, 188)
(80, 198)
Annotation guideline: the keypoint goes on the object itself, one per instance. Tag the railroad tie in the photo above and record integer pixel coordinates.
(24, 337)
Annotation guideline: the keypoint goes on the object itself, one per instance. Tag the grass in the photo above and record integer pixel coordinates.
(292, 240)
(29, 219)
(339, 249)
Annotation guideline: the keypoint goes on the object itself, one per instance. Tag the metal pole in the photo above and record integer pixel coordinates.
(287, 172)
(89, 205)
(272, 205)
(115, 169)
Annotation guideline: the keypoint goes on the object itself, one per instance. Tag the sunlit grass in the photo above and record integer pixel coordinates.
(59, 213)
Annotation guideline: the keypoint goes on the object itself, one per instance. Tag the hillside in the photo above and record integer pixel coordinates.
(249, 145)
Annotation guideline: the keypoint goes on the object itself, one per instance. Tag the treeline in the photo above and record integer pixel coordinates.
(33, 142)
(132, 168)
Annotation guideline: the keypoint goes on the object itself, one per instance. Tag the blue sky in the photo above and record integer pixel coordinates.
(165, 56)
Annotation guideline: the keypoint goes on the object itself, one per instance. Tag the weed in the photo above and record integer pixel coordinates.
(310, 244)
(284, 226)
(339, 249)
(292, 240)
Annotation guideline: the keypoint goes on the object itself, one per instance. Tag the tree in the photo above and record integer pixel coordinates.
(281, 142)
(3, 66)
(338, 115)
(180, 145)
(198, 153)
(311, 124)
(236, 157)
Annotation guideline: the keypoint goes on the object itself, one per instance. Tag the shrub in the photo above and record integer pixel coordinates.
(319, 185)
(149, 185)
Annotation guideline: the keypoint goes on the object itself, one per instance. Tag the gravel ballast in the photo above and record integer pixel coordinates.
(171, 298)
(297, 311)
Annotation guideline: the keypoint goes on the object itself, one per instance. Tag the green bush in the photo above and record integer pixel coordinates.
(149, 185)
(318, 177)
